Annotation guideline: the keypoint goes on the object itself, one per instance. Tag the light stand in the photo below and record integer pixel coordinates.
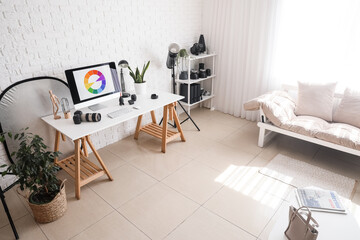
(123, 64)
(170, 63)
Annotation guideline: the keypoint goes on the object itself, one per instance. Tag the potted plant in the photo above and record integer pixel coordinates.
(36, 171)
(183, 68)
(140, 84)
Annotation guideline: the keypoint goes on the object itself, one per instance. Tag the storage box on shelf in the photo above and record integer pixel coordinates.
(193, 95)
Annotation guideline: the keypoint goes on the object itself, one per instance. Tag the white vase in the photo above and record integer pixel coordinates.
(140, 88)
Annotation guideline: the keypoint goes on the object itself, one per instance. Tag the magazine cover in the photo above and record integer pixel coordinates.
(320, 200)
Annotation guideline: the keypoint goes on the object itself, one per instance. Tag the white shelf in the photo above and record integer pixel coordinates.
(200, 56)
(191, 81)
(204, 99)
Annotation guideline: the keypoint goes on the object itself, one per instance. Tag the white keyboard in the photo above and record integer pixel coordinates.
(119, 112)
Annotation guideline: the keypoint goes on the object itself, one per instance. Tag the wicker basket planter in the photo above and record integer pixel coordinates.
(49, 212)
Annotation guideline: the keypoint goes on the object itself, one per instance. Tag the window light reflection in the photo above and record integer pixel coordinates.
(249, 182)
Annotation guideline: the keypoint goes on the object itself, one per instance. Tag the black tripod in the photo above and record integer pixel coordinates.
(174, 91)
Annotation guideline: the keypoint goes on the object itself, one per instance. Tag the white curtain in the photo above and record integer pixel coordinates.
(242, 32)
(264, 43)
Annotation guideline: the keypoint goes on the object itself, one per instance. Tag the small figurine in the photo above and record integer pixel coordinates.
(55, 104)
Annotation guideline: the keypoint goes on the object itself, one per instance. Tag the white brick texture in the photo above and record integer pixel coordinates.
(46, 37)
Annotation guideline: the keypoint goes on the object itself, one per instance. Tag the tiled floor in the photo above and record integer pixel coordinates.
(206, 188)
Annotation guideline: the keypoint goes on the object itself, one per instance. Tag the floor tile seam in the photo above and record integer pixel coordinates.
(92, 224)
(135, 196)
(219, 140)
(177, 226)
(181, 152)
(115, 208)
(212, 195)
(101, 198)
(112, 153)
(278, 209)
(192, 161)
(43, 232)
(238, 128)
(132, 223)
(229, 222)
(181, 193)
(119, 156)
(14, 219)
(28, 213)
(248, 152)
(137, 168)
(37, 224)
(256, 156)
(20, 197)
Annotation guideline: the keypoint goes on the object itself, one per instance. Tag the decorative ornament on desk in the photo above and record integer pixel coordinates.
(55, 104)
(65, 108)
(140, 83)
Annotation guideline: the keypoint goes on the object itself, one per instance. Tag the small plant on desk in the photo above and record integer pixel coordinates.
(137, 76)
(36, 171)
(140, 84)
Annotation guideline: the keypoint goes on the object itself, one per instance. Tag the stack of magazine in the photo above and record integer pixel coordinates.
(320, 200)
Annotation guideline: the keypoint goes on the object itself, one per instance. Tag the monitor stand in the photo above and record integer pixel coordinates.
(97, 107)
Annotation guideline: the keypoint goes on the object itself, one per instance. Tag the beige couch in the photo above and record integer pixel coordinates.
(277, 114)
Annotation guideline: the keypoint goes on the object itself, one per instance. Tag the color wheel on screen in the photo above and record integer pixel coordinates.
(88, 85)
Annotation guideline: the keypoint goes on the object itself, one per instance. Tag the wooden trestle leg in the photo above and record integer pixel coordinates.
(79, 166)
(163, 132)
(99, 158)
(164, 129)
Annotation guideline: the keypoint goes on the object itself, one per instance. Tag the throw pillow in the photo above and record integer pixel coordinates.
(349, 108)
(315, 100)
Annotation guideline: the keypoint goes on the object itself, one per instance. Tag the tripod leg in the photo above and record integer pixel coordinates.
(188, 116)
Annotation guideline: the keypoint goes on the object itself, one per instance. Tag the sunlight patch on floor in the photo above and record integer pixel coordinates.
(249, 182)
(355, 210)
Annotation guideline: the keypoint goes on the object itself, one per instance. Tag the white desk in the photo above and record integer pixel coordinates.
(78, 165)
(332, 226)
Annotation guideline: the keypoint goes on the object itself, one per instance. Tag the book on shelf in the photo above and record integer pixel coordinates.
(320, 200)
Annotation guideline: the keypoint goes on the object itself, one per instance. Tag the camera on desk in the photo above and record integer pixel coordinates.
(86, 117)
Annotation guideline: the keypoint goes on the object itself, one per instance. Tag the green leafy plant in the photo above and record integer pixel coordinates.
(34, 166)
(183, 53)
(137, 76)
(182, 56)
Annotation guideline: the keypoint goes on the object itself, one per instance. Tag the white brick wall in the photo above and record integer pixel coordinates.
(45, 37)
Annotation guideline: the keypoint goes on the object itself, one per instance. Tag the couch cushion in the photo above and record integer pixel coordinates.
(306, 125)
(349, 109)
(342, 134)
(278, 106)
(315, 100)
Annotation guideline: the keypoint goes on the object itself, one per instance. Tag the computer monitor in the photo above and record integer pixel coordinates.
(91, 85)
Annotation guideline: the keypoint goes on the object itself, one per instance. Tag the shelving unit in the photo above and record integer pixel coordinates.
(193, 59)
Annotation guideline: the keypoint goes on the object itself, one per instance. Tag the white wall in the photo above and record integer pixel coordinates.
(46, 37)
